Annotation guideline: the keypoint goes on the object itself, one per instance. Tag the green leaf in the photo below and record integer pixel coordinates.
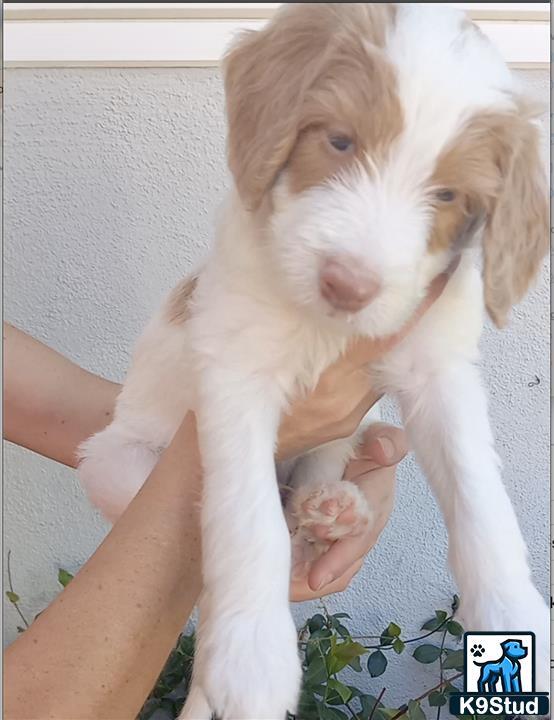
(355, 664)
(414, 711)
(316, 623)
(393, 630)
(316, 672)
(454, 660)
(368, 703)
(342, 654)
(342, 631)
(398, 646)
(434, 623)
(12, 596)
(341, 689)
(341, 615)
(437, 699)
(427, 653)
(64, 577)
(376, 663)
(318, 644)
(327, 713)
(389, 633)
(307, 706)
(454, 628)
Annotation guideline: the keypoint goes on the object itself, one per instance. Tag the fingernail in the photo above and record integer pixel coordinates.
(387, 447)
(327, 580)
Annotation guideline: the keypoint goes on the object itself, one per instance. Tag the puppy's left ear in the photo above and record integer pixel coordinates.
(516, 237)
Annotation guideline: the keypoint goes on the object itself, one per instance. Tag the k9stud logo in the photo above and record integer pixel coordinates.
(499, 676)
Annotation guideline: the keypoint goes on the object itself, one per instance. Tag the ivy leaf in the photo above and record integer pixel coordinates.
(427, 653)
(398, 646)
(341, 655)
(316, 623)
(414, 711)
(437, 699)
(341, 689)
(12, 596)
(355, 664)
(64, 577)
(454, 660)
(454, 628)
(341, 615)
(376, 663)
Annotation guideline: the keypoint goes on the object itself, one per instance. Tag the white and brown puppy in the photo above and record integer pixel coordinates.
(370, 145)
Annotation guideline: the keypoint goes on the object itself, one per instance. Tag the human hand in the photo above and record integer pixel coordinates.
(344, 393)
(374, 471)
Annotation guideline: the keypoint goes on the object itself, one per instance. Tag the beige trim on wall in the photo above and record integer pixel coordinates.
(196, 34)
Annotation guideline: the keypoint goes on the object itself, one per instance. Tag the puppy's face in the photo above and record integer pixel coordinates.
(377, 142)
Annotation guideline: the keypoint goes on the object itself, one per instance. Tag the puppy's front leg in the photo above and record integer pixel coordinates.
(447, 419)
(247, 664)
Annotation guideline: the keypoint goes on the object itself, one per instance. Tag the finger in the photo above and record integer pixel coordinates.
(341, 555)
(383, 446)
(300, 591)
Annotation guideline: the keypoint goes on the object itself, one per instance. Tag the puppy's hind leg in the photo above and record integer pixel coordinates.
(113, 467)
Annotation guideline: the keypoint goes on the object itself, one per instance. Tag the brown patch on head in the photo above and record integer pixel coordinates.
(494, 169)
(178, 303)
(316, 69)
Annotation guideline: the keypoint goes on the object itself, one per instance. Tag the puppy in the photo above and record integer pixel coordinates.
(370, 146)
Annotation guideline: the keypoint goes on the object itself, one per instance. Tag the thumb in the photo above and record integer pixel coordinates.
(383, 445)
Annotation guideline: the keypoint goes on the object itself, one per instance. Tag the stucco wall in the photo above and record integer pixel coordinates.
(112, 179)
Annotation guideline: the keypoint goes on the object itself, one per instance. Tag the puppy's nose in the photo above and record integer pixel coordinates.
(347, 284)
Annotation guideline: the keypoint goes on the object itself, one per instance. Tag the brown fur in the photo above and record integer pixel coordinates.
(299, 77)
(495, 169)
(178, 304)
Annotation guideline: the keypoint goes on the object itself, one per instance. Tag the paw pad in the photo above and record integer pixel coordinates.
(477, 650)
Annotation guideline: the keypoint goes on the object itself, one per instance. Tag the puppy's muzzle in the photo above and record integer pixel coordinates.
(348, 285)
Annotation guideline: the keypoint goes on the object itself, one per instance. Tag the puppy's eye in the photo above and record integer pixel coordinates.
(446, 195)
(342, 143)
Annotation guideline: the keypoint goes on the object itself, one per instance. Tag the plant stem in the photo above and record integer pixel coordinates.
(15, 604)
(404, 709)
(374, 708)
(353, 712)
(410, 640)
(441, 671)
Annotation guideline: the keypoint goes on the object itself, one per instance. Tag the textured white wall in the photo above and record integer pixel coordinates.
(112, 179)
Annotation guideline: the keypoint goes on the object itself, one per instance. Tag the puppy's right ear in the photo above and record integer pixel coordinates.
(267, 74)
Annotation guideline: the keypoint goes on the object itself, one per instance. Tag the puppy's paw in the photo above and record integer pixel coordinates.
(508, 610)
(251, 667)
(328, 512)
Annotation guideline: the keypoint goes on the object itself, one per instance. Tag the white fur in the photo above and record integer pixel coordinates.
(260, 332)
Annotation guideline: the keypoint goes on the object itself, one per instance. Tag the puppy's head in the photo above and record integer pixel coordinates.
(376, 142)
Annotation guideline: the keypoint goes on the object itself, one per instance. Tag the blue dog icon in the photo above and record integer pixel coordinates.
(507, 669)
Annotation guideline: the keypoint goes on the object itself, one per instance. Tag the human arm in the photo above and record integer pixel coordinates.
(96, 651)
(51, 404)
